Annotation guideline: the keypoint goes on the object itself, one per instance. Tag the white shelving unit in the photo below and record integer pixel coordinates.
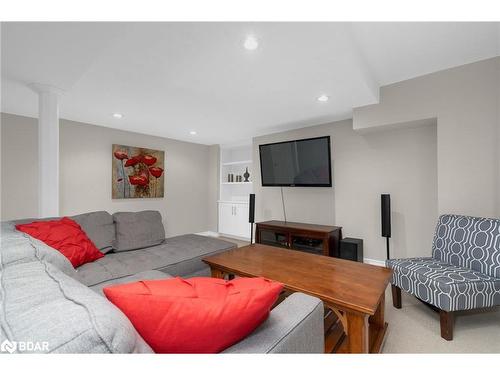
(233, 196)
(243, 162)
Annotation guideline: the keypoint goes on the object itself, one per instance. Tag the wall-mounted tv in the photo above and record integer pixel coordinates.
(303, 162)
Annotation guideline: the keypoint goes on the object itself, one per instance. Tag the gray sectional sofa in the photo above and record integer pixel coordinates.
(58, 309)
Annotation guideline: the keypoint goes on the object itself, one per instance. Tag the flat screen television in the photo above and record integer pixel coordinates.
(303, 162)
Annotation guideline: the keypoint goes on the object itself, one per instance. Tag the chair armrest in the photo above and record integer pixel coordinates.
(294, 326)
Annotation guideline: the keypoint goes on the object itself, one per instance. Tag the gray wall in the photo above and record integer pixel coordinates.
(432, 142)
(85, 174)
(465, 101)
(401, 162)
(19, 174)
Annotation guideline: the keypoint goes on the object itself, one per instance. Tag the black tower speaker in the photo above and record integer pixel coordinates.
(251, 209)
(385, 209)
(251, 215)
(351, 249)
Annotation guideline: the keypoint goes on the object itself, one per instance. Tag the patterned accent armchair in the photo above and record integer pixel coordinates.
(462, 274)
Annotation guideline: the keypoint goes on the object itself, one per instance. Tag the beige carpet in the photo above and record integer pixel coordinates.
(415, 329)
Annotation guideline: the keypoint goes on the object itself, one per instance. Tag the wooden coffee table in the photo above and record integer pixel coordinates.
(353, 293)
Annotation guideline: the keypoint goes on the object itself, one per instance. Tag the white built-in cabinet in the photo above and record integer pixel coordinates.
(233, 195)
(233, 219)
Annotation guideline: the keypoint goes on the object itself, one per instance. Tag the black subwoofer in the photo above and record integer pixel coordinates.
(351, 249)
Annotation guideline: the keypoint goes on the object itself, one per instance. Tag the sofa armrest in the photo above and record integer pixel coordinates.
(294, 326)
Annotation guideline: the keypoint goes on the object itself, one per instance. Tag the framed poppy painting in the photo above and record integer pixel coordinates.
(137, 172)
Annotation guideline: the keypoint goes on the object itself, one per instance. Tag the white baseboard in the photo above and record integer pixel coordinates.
(374, 262)
(208, 233)
(246, 239)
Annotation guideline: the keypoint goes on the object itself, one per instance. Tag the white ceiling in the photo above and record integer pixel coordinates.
(170, 78)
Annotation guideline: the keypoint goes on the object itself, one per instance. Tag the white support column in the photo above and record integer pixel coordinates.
(48, 150)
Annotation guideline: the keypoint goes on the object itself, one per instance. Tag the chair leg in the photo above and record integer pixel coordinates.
(447, 320)
(396, 296)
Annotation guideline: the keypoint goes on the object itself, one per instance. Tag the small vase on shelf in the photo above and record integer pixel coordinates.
(246, 175)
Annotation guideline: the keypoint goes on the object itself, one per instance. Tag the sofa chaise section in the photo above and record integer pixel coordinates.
(178, 256)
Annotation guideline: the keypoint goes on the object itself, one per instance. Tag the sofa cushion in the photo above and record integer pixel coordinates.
(187, 251)
(296, 325)
(15, 245)
(42, 304)
(470, 242)
(146, 275)
(66, 236)
(178, 256)
(99, 227)
(449, 287)
(137, 230)
(19, 247)
(199, 315)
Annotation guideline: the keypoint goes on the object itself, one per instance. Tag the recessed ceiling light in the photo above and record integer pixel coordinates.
(251, 43)
(323, 98)
(192, 132)
(117, 115)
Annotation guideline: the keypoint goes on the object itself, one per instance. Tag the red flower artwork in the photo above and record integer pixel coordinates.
(133, 161)
(137, 167)
(156, 171)
(148, 160)
(120, 155)
(141, 180)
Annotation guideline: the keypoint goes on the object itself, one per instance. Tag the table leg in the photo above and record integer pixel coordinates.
(357, 336)
(377, 327)
(378, 319)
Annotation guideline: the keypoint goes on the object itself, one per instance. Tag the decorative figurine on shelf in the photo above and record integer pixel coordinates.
(246, 175)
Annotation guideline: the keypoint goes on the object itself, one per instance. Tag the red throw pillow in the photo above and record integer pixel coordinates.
(197, 315)
(66, 236)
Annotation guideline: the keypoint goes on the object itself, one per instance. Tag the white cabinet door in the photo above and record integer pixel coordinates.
(233, 219)
(241, 224)
(226, 215)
